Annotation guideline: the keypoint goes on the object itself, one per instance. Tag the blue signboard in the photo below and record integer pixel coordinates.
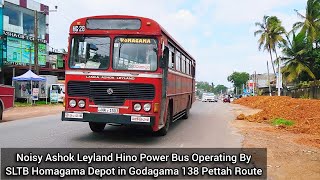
(17, 52)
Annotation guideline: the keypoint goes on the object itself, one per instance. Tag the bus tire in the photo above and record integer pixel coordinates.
(97, 127)
(187, 111)
(1, 112)
(164, 130)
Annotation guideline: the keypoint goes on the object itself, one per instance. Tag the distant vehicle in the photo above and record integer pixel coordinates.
(226, 100)
(6, 98)
(209, 97)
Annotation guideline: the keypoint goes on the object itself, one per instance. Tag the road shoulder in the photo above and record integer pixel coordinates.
(18, 113)
(289, 154)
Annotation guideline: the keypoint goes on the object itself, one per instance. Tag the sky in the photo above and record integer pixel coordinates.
(217, 33)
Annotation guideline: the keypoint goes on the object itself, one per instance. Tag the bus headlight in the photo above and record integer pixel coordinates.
(72, 103)
(147, 107)
(137, 107)
(81, 104)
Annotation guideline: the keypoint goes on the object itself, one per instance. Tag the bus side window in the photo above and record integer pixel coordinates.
(183, 65)
(171, 57)
(178, 61)
(188, 66)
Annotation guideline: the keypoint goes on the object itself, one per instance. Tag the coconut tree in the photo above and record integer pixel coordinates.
(311, 21)
(276, 39)
(270, 31)
(276, 33)
(264, 41)
(296, 57)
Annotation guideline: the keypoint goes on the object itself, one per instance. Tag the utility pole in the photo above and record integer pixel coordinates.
(257, 85)
(36, 66)
(30, 49)
(279, 78)
(269, 79)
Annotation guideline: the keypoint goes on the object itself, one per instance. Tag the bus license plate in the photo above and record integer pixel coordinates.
(73, 115)
(140, 119)
(108, 110)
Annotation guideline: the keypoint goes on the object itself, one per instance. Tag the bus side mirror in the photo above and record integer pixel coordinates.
(165, 58)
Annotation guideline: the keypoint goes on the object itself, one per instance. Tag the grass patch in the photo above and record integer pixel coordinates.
(280, 121)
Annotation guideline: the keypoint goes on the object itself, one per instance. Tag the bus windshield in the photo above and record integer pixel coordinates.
(135, 54)
(90, 52)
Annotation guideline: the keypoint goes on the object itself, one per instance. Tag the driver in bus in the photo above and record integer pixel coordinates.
(151, 57)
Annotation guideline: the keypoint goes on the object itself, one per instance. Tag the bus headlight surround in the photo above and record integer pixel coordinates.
(137, 107)
(72, 103)
(81, 103)
(147, 107)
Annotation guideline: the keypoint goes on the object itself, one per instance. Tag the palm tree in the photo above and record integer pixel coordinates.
(276, 39)
(264, 40)
(297, 54)
(276, 33)
(271, 32)
(311, 24)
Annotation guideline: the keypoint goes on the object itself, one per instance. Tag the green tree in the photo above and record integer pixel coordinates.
(297, 55)
(205, 86)
(264, 40)
(220, 88)
(276, 32)
(238, 79)
(271, 34)
(310, 28)
(311, 24)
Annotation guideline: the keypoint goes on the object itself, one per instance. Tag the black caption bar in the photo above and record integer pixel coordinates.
(168, 163)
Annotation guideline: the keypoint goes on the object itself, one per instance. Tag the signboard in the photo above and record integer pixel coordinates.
(18, 52)
(54, 96)
(35, 94)
(23, 37)
(60, 61)
(279, 80)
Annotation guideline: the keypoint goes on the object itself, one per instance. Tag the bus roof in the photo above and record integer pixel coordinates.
(148, 27)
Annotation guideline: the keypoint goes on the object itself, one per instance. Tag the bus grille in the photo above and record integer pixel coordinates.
(97, 91)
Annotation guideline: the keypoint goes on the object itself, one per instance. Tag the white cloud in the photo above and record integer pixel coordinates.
(207, 33)
(218, 33)
(245, 11)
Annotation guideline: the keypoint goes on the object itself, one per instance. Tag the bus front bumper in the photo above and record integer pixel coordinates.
(108, 118)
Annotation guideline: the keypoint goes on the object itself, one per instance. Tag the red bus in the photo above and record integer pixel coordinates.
(126, 70)
(6, 98)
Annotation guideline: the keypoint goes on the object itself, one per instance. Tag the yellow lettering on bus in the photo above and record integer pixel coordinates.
(135, 40)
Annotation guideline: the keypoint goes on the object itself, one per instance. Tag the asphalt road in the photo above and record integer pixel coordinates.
(207, 127)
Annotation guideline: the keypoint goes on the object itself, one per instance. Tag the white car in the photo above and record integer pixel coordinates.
(209, 97)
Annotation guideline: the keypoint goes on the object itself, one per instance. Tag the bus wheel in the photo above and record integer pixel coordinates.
(186, 114)
(97, 127)
(163, 131)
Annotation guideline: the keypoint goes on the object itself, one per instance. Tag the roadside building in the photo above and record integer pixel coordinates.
(17, 32)
(260, 83)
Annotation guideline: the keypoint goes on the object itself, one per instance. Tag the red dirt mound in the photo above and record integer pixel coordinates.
(304, 112)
